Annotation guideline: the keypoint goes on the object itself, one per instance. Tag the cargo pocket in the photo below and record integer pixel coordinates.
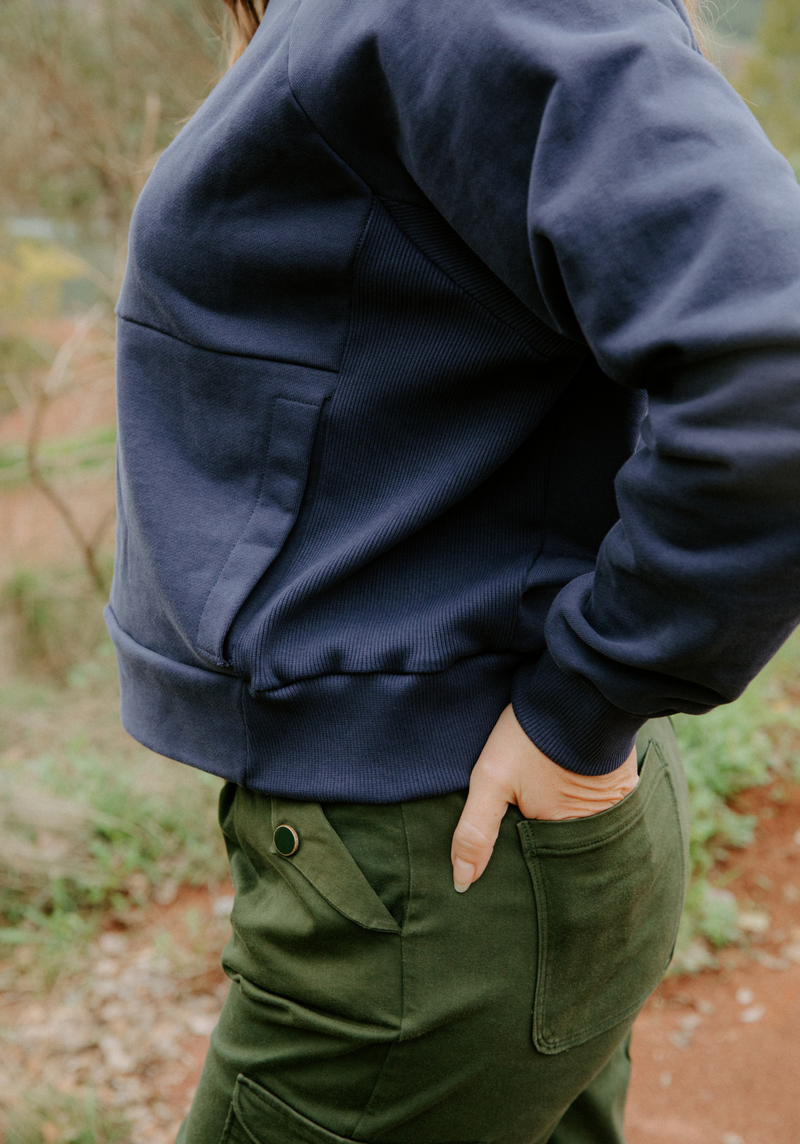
(609, 892)
(286, 465)
(258, 1117)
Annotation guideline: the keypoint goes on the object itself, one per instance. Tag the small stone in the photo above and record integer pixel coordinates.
(752, 1014)
(707, 1008)
(113, 944)
(665, 1080)
(694, 958)
(166, 892)
(202, 1024)
(745, 996)
(753, 923)
(792, 952)
(137, 884)
(797, 837)
(790, 893)
(223, 906)
(116, 1058)
(732, 1138)
(107, 967)
(769, 961)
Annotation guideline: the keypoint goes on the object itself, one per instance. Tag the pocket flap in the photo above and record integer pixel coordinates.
(330, 867)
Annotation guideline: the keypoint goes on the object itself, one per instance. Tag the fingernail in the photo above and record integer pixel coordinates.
(463, 876)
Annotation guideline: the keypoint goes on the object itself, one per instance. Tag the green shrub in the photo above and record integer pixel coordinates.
(731, 749)
(51, 1117)
(52, 619)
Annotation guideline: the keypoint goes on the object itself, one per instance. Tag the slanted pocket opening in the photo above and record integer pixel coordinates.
(258, 1117)
(286, 465)
(609, 892)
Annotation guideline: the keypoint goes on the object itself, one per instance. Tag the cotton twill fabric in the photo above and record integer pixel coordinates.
(371, 1002)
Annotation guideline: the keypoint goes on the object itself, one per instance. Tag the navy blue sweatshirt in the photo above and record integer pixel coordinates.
(459, 364)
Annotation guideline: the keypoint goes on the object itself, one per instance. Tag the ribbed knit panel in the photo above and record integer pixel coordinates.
(439, 242)
(568, 719)
(432, 420)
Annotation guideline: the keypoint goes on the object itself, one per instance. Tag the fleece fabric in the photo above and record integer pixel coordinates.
(459, 364)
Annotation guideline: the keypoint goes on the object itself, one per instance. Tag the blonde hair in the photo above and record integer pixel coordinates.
(245, 16)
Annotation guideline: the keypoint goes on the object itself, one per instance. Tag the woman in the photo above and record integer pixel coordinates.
(459, 445)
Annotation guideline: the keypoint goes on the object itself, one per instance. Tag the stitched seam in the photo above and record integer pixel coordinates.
(554, 850)
(408, 866)
(362, 238)
(468, 293)
(540, 983)
(222, 662)
(210, 651)
(563, 1043)
(399, 1038)
(248, 754)
(226, 353)
(390, 674)
(402, 202)
(543, 532)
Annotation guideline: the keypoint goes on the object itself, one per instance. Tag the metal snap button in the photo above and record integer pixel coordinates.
(286, 840)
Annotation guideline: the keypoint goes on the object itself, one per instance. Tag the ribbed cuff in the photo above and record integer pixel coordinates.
(570, 721)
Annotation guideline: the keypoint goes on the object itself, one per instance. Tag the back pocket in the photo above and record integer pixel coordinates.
(609, 893)
(291, 439)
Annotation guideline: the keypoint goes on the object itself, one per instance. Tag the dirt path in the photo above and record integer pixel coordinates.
(715, 1056)
(132, 1028)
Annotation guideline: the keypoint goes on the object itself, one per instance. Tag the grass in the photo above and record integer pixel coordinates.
(63, 457)
(52, 619)
(90, 822)
(734, 748)
(51, 1117)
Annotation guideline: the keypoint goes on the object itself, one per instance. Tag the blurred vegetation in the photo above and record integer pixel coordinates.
(46, 1115)
(742, 745)
(91, 825)
(771, 77)
(89, 821)
(90, 92)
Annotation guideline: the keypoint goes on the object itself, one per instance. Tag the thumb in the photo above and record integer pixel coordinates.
(478, 827)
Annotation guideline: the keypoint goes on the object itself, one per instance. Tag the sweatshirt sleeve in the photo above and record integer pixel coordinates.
(609, 175)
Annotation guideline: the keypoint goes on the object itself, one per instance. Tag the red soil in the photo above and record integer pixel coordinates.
(715, 1057)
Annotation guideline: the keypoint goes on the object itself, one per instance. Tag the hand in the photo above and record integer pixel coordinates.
(511, 769)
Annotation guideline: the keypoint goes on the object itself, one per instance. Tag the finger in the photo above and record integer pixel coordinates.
(477, 829)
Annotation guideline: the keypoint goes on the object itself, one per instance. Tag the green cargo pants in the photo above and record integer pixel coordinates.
(370, 1002)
